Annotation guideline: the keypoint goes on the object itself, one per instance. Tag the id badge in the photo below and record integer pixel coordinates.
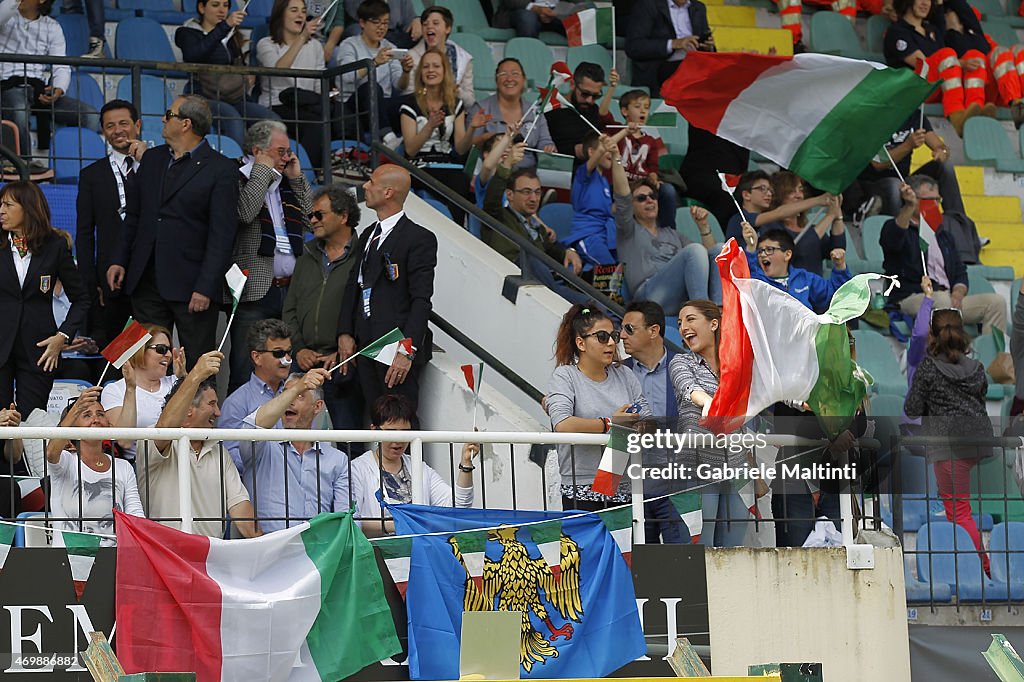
(391, 269)
(366, 302)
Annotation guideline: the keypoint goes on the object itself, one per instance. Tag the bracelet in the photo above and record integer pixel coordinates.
(67, 339)
(706, 234)
(467, 469)
(607, 424)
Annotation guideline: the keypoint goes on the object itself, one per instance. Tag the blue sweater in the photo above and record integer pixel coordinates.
(813, 291)
(592, 207)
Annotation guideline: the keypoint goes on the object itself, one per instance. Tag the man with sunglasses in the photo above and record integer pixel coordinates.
(564, 124)
(900, 240)
(180, 221)
(273, 217)
(768, 257)
(269, 346)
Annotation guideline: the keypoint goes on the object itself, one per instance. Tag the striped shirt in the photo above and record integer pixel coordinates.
(42, 36)
(690, 372)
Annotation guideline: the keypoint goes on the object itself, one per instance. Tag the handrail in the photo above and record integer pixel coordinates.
(191, 67)
(497, 365)
(524, 244)
(16, 161)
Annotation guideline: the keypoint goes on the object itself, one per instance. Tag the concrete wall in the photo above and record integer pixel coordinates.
(798, 605)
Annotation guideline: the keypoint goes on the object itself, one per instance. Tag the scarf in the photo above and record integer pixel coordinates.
(20, 244)
(293, 223)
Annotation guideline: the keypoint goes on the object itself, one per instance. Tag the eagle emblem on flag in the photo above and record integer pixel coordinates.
(517, 581)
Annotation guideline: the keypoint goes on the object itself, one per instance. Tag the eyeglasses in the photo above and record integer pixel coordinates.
(319, 215)
(282, 151)
(644, 196)
(584, 94)
(767, 189)
(603, 337)
(526, 191)
(630, 329)
(169, 114)
(276, 352)
(768, 250)
(381, 21)
(160, 348)
(510, 74)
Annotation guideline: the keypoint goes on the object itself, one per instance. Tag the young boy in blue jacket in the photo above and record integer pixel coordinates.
(769, 262)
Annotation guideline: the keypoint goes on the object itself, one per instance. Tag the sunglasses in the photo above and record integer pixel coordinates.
(935, 310)
(276, 352)
(160, 348)
(318, 215)
(584, 94)
(603, 337)
(168, 115)
(630, 329)
(644, 196)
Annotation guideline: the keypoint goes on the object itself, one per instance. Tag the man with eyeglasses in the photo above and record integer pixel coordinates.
(315, 296)
(754, 192)
(564, 124)
(270, 352)
(273, 217)
(180, 222)
(522, 190)
(768, 257)
(900, 240)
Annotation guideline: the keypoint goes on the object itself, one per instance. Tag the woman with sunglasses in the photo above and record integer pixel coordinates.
(588, 391)
(695, 378)
(137, 399)
(948, 393)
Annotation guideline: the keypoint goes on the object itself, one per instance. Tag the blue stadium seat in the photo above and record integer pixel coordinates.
(535, 57)
(435, 203)
(677, 139)
(163, 11)
(72, 149)
(558, 217)
(63, 206)
(144, 39)
(84, 87)
(225, 145)
(258, 33)
(921, 592)
(876, 28)
(832, 33)
(76, 33)
(156, 99)
(936, 561)
(1006, 546)
(304, 162)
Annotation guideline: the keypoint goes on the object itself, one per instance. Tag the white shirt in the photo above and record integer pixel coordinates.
(120, 158)
(100, 494)
(148, 405)
(21, 264)
(284, 259)
(681, 23)
(386, 226)
(365, 477)
(42, 36)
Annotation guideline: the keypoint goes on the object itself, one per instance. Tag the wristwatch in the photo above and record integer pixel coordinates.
(467, 469)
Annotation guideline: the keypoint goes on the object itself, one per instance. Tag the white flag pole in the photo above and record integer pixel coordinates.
(527, 113)
(228, 328)
(898, 174)
(345, 361)
(476, 394)
(103, 374)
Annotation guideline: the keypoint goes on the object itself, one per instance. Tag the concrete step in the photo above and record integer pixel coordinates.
(754, 40)
(1013, 259)
(992, 209)
(971, 179)
(1004, 236)
(731, 15)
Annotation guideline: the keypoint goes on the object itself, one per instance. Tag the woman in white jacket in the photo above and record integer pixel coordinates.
(384, 473)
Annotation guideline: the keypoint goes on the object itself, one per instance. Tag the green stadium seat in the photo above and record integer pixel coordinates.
(590, 53)
(989, 8)
(875, 354)
(984, 347)
(1001, 32)
(876, 28)
(553, 39)
(668, 162)
(978, 284)
(832, 33)
(470, 18)
(483, 59)
(871, 230)
(993, 273)
(676, 139)
(986, 143)
(686, 225)
(1014, 293)
(535, 57)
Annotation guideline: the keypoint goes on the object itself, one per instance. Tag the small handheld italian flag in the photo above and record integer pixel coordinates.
(591, 26)
(474, 375)
(384, 349)
(133, 337)
(555, 170)
(236, 279)
(613, 461)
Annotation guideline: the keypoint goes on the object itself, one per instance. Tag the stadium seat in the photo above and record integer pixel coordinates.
(483, 59)
(946, 554)
(143, 39)
(876, 356)
(535, 57)
(63, 206)
(304, 163)
(436, 204)
(871, 230)
(1008, 538)
(156, 98)
(597, 54)
(832, 33)
(76, 33)
(986, 143)
(258, 33)
(876, 28)
(921, 592)
(558, 217)
(989, 8)
(686, 225)
(978, 284)
(1015, 292)
(552, 39)
(676, 139)
(1001, 32)
(72, 149)
(984, 347)
(84, 87)
(470, 18)
(225, 145)
(163, 11)
(259, 8)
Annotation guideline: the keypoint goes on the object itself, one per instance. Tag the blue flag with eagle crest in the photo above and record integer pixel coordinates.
(568, 576)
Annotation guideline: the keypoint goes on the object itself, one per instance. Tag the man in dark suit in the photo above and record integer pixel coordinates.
(390, 286)
(102, 201)
(179, 229)
(660, 33)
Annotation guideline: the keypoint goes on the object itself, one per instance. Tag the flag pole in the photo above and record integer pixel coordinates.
(921, 124)
(527, 113)
(541, 151)
(103, 374)
(613, 36)
(476, 394)
(544, 102)
(898, 174)
(227, 329)
(345, 361)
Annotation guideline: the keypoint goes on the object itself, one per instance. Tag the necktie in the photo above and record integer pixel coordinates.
(371, 246)
(129, 167)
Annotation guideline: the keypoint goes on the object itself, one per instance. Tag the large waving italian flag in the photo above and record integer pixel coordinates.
(773, 349)
(822, 117)
(304, 603)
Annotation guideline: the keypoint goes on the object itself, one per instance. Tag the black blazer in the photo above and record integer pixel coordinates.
(403, 302)
(98, 236)
(27, 311)
(188, 229)
(647, 34)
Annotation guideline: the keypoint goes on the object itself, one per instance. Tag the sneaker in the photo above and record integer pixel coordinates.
(95, 49)
(392, 140)
(871, 206)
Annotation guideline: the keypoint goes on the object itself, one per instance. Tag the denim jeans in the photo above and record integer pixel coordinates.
(725, 516)
(94, 12)
(803, 512)
(682, 278)
(16, 105)
(663, 524)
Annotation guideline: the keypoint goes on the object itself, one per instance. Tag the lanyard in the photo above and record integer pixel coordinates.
(119, 178)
